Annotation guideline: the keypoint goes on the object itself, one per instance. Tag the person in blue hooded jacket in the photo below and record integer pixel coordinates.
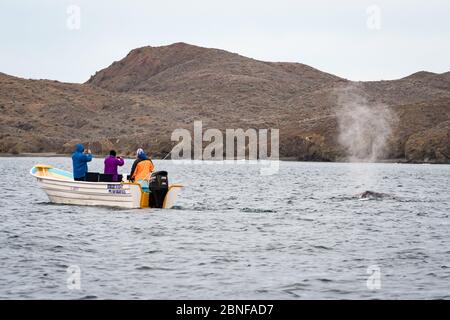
(79, 162)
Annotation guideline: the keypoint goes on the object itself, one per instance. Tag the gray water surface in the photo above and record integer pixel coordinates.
(302, 233)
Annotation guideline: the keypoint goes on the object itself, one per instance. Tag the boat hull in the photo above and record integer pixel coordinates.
(62, 189)
(94, 194)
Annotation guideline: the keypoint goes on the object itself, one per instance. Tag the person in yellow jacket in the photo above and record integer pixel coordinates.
(142, 169)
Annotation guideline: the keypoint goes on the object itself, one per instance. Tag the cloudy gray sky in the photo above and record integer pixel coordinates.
(355, 39)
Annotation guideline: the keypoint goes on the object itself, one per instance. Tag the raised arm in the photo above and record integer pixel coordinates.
(86, 157)
(120, 162)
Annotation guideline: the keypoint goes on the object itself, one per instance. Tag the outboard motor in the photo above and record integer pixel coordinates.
(158, 185)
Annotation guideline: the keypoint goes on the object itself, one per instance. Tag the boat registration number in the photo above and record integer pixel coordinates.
(116, 189)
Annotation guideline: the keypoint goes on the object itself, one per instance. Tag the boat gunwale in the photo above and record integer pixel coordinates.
(82, 182)
(175, 185)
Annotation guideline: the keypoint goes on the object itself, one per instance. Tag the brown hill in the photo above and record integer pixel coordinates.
(142, 98)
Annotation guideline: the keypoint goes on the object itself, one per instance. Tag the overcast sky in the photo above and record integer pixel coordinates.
(354, 39)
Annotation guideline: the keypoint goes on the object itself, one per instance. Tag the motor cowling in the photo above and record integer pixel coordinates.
(158, 186)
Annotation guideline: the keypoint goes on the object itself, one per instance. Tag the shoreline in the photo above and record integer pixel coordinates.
(287, 159)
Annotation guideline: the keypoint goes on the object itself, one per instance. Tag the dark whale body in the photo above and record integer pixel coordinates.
(372, 195)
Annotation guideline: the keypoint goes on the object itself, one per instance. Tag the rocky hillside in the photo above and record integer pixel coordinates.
(141, 99)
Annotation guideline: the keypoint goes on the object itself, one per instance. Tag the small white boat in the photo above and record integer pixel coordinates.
(60, 187)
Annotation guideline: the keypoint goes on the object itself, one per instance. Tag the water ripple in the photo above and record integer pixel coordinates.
(300, 234)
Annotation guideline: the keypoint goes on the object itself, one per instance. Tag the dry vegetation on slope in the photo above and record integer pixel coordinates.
(141, 99)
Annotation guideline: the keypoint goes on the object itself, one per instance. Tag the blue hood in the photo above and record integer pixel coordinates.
(142, 156)
(79, 148)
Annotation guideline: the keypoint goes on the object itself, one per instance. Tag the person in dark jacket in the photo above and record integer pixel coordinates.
(140, 156)
(133, 167)
(79, 162)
